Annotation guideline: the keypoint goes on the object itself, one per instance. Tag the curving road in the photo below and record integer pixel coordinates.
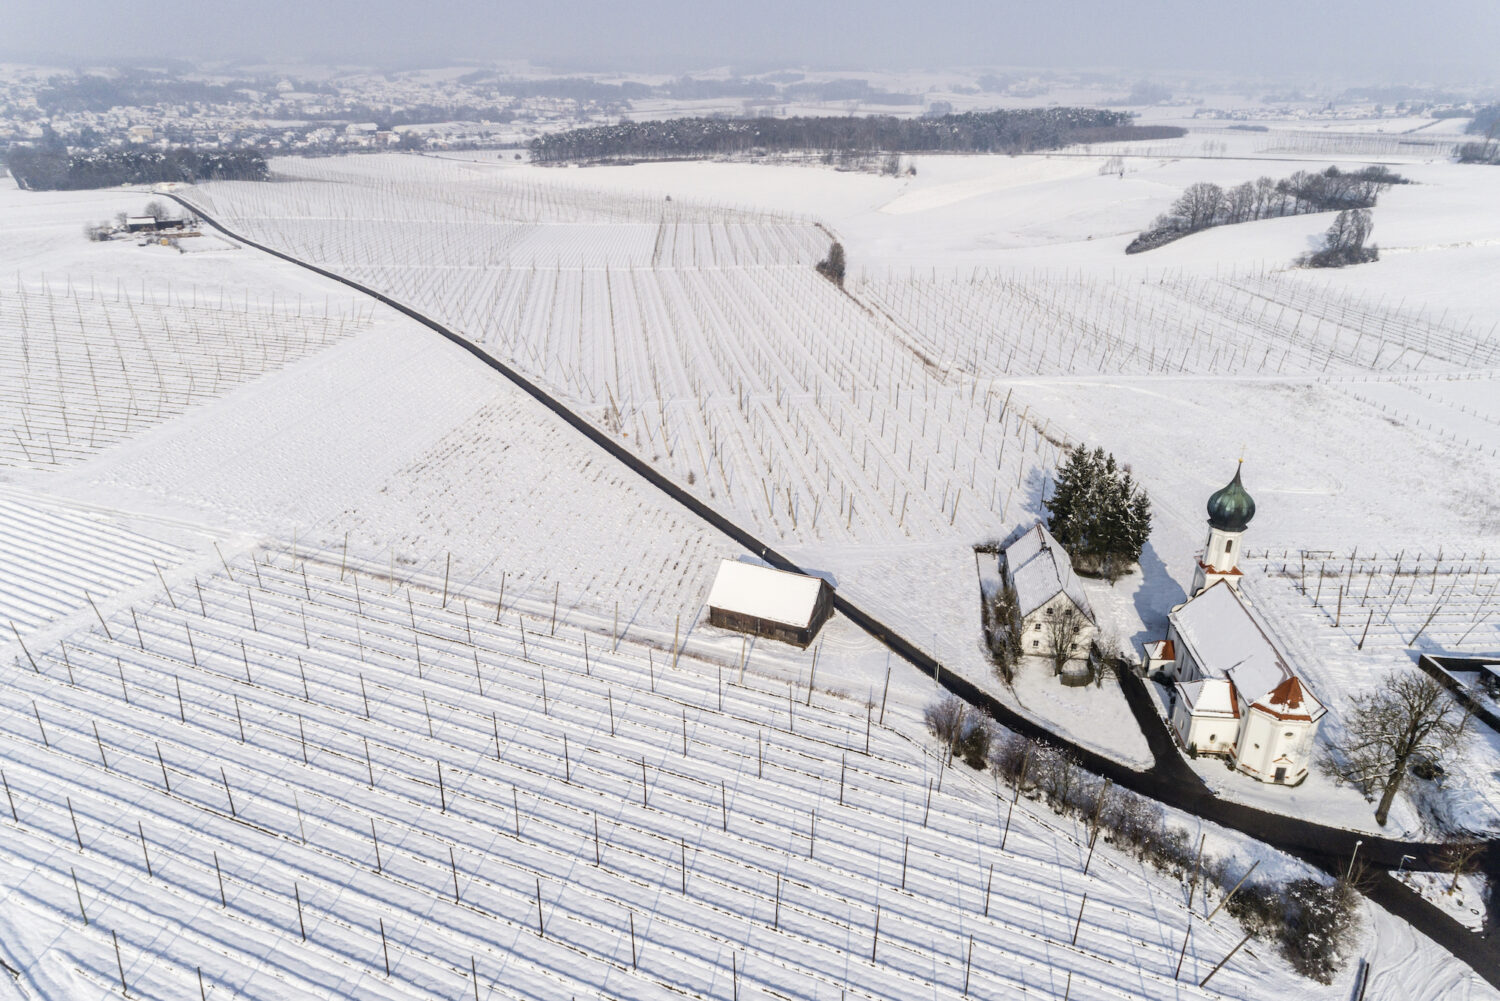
(1169, 780)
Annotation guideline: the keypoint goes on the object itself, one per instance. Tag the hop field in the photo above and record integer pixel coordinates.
(81, 370)
(712, 350)
(301, 778)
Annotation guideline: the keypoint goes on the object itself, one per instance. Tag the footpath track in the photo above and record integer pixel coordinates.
(1169, 781)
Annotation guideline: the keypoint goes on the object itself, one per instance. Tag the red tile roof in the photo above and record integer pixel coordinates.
(1286, 701)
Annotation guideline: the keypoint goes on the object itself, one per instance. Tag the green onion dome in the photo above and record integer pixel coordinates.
(1231, 508)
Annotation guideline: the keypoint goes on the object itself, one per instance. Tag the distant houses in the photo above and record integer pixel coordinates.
(154, 224)
(762, 601)
(1051, 607)
(1232, 692)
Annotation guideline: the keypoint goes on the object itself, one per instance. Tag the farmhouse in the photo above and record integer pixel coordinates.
(1050, 601)
(762, 601)
(1233, 694)
(140, 223)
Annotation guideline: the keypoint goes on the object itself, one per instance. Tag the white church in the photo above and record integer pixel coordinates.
(1233, 694)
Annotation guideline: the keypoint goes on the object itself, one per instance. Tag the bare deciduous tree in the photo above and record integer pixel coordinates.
(1063, 630)
(1460, 858)
(1199, 205)
(945, 719)
(1407, 716)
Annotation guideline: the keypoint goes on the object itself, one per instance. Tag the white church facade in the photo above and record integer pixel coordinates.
(1232, 692)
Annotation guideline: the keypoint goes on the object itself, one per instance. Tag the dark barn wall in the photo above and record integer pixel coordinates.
(743, 623)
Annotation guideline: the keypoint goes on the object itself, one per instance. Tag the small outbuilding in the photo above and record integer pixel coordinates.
(764, 601)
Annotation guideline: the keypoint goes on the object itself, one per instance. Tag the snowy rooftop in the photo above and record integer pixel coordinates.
(1040, 569)
(1210, 697)
(1291, 700)
(1227, 642)
(766, 593)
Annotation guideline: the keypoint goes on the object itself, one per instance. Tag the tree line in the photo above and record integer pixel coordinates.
(1487, 151)
(90, 92)
(1311, 921)
(58, 170)
(1004, 131)
(1485, 121)
(1204, 205)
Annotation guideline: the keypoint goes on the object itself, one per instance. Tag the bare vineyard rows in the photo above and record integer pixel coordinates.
(713, 350)
(81, 370)
(386, 789)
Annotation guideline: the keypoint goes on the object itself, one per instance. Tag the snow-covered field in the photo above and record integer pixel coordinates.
(87, 368)
(797, 409)
(301, 772)
(804, 412)
(280, 426)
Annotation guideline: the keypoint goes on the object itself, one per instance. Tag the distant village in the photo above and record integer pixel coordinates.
(329, 112)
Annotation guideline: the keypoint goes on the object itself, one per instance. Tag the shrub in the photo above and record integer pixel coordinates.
(1320, 921)
(1009, 754)
(1002, 630)
(1261, 910)
(973, 743)
(945, 719)
(832, 266)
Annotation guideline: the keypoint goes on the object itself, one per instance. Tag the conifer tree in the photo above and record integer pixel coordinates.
(1098, 513)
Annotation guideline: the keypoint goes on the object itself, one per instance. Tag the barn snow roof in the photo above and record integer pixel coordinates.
(765, 593)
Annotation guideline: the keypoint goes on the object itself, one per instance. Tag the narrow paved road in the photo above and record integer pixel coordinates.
(1169, 780)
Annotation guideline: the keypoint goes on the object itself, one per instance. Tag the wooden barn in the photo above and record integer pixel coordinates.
(777, 604)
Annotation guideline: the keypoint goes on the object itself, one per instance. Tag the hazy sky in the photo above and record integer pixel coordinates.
(1446, 40)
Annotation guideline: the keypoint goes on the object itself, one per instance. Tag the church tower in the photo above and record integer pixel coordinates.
(1229, 512)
